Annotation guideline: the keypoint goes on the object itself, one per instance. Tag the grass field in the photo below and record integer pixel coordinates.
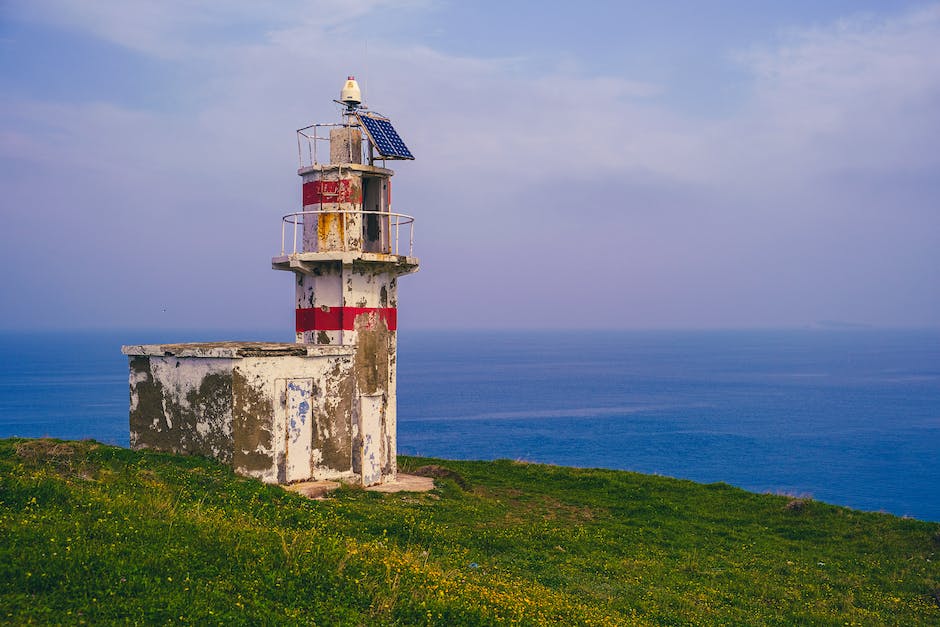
(102, 535)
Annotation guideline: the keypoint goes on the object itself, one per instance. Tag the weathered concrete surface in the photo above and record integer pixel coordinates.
(306, 261)
(345, 145)
(181, 410)
(229, 401)
(372, 371)
(231, 349)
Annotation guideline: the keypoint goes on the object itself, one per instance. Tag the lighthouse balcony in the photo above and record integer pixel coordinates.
(348, 236)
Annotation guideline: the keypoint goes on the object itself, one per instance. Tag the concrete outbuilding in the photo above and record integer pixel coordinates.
(323, 407)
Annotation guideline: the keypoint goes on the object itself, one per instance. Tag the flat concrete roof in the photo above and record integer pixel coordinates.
(233, 349)
(339, 167)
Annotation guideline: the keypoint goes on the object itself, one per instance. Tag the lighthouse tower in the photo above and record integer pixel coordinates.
(346, 249)
(322, 407)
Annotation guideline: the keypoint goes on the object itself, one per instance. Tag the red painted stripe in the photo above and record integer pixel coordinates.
(336, 318)
(316, 192)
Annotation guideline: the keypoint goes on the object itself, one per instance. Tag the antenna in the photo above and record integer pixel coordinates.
(365, 63)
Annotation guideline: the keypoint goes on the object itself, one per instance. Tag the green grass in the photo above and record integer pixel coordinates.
(102, 535)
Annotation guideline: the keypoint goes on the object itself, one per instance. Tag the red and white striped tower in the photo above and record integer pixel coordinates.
(347, 249)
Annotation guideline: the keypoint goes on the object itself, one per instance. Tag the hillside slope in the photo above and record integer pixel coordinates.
(99, 534)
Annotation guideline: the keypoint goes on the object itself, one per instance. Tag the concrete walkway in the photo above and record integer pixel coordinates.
(403, 483)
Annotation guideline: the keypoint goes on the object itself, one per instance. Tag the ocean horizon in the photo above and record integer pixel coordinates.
(847, 416)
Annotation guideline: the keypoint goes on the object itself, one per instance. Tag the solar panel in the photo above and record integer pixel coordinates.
(383, 136)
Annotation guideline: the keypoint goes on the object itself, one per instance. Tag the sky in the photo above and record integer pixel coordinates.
(589, 165)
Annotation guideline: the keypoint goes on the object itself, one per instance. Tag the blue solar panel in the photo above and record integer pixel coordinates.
(383, 136)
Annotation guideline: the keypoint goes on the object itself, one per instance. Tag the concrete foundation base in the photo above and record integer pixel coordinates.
(402, 483)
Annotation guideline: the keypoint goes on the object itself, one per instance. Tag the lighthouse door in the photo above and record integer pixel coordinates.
(371, 417)
(375, 231)
(298, 396)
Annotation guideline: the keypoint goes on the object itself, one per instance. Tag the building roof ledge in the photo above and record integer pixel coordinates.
(297, 260)
(235, 350)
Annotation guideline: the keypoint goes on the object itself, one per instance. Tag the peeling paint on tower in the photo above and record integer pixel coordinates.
(325, 406)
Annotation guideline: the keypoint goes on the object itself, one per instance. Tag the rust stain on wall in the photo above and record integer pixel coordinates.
(371, 365)
(333, 434)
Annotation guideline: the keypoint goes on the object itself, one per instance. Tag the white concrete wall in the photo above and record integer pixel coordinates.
(228, 401)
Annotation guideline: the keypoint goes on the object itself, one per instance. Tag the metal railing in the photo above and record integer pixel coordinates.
(310, 137)
(308, 140)
(390, 241)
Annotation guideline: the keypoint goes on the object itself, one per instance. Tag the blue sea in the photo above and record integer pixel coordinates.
(848, 417)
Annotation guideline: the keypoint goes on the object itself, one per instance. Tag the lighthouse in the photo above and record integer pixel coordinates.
(324, 406)
(346, 249)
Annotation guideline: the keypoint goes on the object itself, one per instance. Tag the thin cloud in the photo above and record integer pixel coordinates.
(809, 200)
